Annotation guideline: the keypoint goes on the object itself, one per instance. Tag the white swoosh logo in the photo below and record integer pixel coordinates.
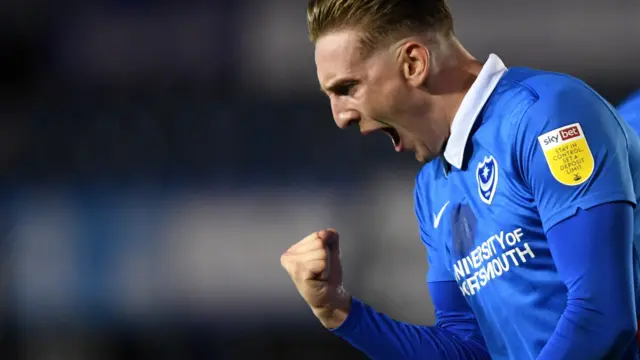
(436, 218)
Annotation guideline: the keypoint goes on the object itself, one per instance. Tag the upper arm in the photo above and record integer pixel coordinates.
(573, 154)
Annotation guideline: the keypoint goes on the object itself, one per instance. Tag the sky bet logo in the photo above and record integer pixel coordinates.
(568, 154)
(565, 134)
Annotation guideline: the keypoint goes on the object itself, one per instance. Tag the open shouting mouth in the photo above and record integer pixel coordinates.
(395, 137)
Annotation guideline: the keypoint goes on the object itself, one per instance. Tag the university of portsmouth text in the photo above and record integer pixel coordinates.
(494, 257)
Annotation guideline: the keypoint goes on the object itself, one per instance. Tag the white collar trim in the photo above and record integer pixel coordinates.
(470, 108)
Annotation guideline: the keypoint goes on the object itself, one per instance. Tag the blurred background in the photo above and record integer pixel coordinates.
(157, 158)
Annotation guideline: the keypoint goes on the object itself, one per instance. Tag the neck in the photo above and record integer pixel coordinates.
(454, 73)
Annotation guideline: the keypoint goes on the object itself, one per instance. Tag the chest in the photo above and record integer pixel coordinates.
(488, 228)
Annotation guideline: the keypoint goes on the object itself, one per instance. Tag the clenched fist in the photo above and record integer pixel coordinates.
(314, 266)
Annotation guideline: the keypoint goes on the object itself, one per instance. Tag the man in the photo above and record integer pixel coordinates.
(526, 203)
(630, 110)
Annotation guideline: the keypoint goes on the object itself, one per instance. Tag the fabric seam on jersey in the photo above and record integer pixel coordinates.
(611, 111)
(516, 131)
(585, 203)
(552, 219)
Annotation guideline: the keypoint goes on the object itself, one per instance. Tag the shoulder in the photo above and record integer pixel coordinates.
(545, 92)
(557, 101)
(522, 92)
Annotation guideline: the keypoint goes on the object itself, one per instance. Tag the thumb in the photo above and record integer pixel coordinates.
(330, 238)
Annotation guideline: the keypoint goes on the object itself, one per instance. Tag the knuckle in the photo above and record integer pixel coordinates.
(300, 272)
(321, 265)
(292, 269)
(311, 236)
(290, 265)
(323, 253)
(284, 260)
(315, 267)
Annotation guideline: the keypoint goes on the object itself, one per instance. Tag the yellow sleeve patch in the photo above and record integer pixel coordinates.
(568, 154)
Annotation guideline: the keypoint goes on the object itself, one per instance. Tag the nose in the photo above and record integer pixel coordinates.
(347, 118)
(343, 114)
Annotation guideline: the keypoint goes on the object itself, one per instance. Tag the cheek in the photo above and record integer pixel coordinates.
(384, 105)
(377, 108)
(398, 107)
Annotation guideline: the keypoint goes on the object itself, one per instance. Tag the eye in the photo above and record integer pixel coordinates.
(345, 88)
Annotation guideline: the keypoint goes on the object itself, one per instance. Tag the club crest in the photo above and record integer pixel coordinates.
(487, 176)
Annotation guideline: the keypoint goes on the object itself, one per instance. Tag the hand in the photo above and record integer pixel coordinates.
(314, 266)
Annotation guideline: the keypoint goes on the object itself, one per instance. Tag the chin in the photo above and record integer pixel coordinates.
(424, 158)
(421, 158)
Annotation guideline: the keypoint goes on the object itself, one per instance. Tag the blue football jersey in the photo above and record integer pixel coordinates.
(630, 111)
(527, 149)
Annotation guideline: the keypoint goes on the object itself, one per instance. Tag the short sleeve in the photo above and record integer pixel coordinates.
(438, 270)
(573, 153)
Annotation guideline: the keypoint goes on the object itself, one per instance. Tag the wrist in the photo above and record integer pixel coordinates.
(335, 314)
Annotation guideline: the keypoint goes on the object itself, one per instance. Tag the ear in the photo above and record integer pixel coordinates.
(415, 63)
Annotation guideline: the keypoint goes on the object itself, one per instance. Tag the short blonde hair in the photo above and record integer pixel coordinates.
(378, 20)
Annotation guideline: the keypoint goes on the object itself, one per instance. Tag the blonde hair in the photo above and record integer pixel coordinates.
(379, 20)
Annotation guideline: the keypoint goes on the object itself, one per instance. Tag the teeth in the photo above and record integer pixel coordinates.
(393, 139)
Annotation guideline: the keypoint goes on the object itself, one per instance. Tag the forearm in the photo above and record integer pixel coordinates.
(381, 337)
(584, 333)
